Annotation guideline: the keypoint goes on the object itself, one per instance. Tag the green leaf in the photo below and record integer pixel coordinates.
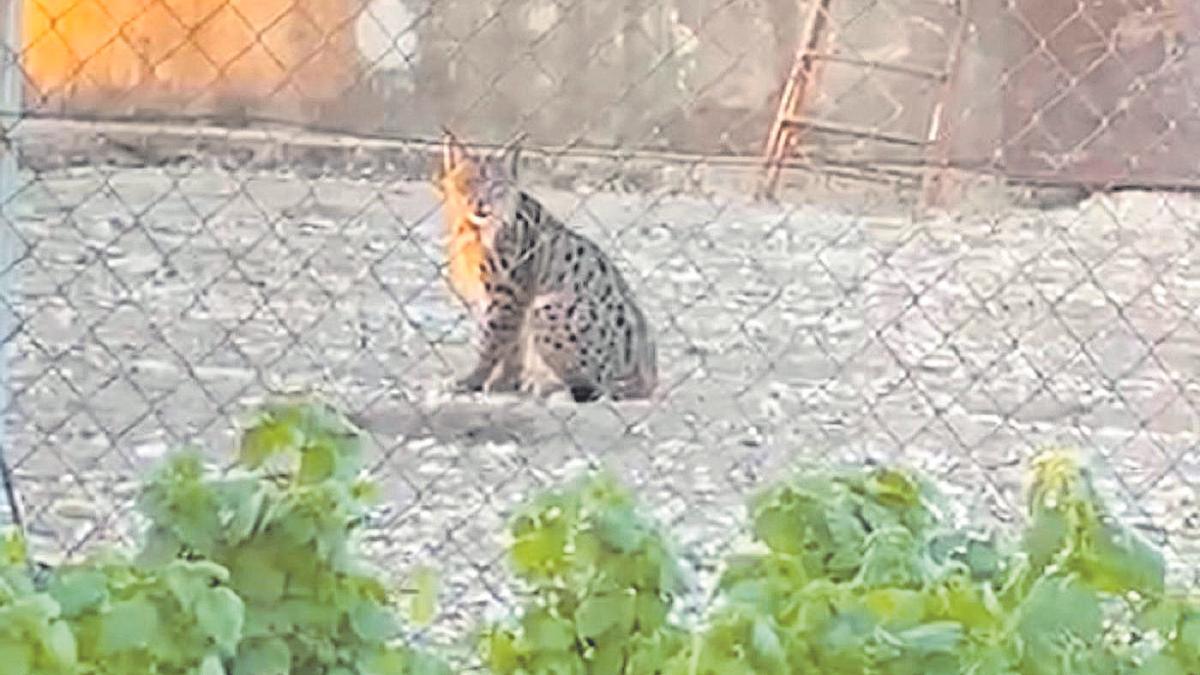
(896, 608)
(269, 656)
(1121, 561)
(160, 546)
(221, 615)
(781, 530)
(1189, 636)
(267, 439)
(607, 659)
(187, 580)
(766, 647)
(895, 488)
(28, 610)
(59, 644)
(254, 576)
(248, 502)
(1057, 611)
(555, 663)
(16, 658)
(77, 591)
(597, 614)
(847, 538)
(317, 463)
(892, 558)
(365, 492)
(621, 529)
(982, 559)
(311, 614)
(424, 602)
(972, 604)
(1046, 536)
(502, 653)
(13, 549)
(651, 611)
(1162, 616)
(372, 622)
(932, 638)
(548, 633)
(129, 624)
(383, 662)
(195, 516)
(211, 665)
(266, 620)
(300, 527)
(420, 663)
(1161, 664)
(540, 552)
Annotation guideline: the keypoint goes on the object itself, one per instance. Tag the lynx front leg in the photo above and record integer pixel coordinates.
(508, 378)
(500, 333)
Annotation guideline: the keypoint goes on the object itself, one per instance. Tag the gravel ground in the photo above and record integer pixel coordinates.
(156, 303)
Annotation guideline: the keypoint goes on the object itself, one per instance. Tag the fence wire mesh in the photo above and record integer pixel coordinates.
(217, 199)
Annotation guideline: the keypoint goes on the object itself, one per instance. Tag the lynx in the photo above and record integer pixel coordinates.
(547, 291)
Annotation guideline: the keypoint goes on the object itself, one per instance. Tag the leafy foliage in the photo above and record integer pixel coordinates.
(250, 572)
(604, 581)
(858, 576)
(255, 570)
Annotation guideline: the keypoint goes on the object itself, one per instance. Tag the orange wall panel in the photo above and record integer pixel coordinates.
(298, 50)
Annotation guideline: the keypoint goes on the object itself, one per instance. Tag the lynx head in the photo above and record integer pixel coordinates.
(483, 189)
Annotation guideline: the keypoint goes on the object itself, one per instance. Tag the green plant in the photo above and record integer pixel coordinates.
(253, 571)
(33, 636)
(858, 576)
(604, 580)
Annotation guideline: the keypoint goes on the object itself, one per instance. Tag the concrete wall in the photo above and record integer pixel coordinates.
(697, 76)
(1107, 95)
(689, 74)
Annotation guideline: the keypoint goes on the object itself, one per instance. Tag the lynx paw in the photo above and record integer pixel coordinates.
(467, 385)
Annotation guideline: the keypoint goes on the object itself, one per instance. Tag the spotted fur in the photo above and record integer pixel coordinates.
(548, 292)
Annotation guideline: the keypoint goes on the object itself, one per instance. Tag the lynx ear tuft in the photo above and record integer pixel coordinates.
(453, 152)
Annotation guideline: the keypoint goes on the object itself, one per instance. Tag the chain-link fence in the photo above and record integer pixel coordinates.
(216, 199)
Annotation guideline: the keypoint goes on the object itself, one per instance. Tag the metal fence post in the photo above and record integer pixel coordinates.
(10, 110)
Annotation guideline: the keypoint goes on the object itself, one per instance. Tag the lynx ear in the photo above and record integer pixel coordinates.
(509, 157)
(453, 152)
(510, 160)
